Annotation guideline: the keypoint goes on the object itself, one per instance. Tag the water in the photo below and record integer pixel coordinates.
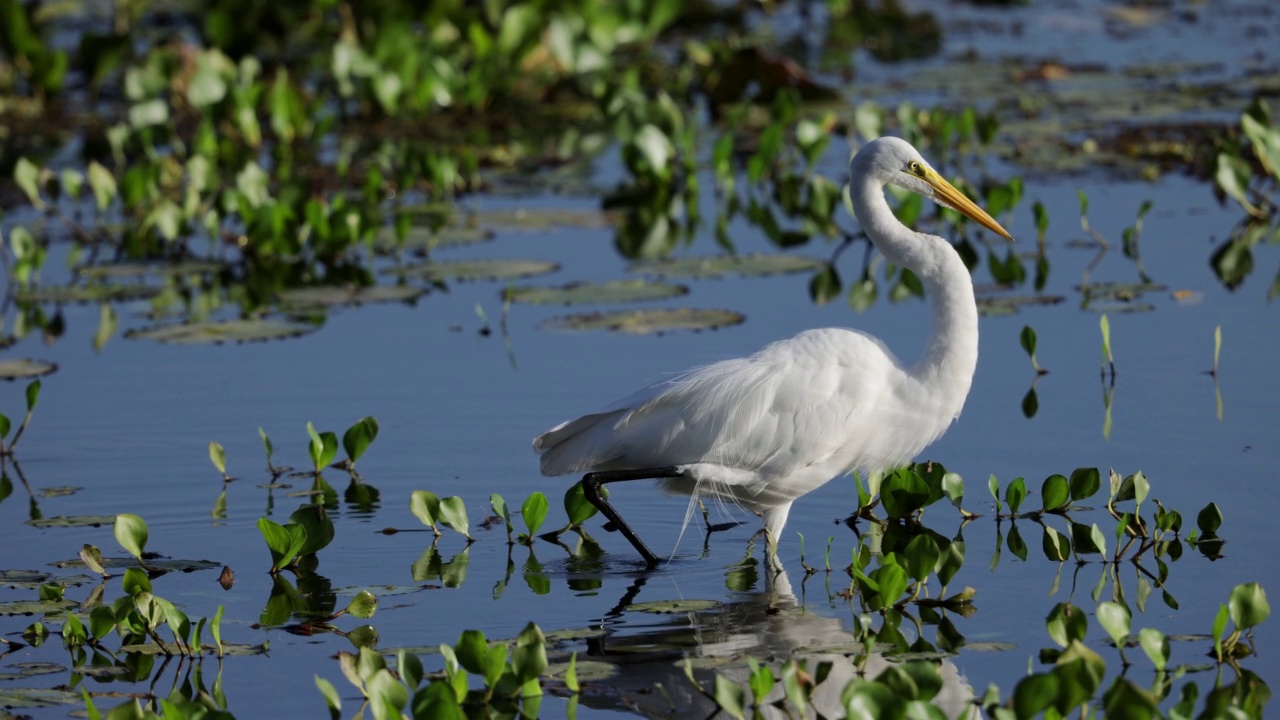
(130, 426)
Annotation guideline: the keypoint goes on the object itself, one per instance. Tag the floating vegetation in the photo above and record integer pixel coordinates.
(86, 293)
(218, 332)
(995, 305)
(116, 271)
(25, 368)
(476, 270)
(717, 266)
(422, 239)
(73, 521)
(647, 322)
(593, 293)
(301, 300)
(540, 218)
(673, 606)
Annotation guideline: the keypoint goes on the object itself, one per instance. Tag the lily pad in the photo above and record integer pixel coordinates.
(717, 266)
(473, 270)
(87, 293)
(59, 491)
(646, 322)
(589, 293)
(222, 332)
(11, 698)
(541, 218)
(995, 305)
(73, 521)
(32, 669)
(423, 239)
(319, 298)
(169, 564)
(134, 269)
(34, 607)
(23, 578)
(25, 368)
(587, 670)
(228, 649)
(673, 606)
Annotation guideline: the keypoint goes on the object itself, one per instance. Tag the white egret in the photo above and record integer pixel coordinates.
(766, 429)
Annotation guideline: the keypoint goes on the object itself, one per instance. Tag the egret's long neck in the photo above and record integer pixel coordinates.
(951, 356)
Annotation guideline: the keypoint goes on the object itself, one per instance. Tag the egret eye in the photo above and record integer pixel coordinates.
(914, 168)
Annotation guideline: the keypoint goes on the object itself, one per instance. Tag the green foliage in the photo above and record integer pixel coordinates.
(358, 437)
(131, 533)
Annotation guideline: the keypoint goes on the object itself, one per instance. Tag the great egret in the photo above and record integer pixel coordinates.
(766, 429)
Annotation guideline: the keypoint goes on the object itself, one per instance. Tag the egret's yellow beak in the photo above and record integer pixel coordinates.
(947, 194)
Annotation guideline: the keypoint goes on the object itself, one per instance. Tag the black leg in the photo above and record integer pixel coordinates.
(591, 483)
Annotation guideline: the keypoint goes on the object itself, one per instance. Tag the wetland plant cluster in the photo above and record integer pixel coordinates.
(898, 578)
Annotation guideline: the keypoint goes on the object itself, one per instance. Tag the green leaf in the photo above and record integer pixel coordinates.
(499, 507)
(1056, 546)
(825, 285)
(1034, 694)
(283, 541)
(534, 511)
(1232, 178)
(729, 696)
(892, 581)
(425, 506)
(33, 395)
(529, 656)
(331, 698)
(1209, 519)
(218, 456)
(1066, 623)
(363, 605)
(26, 175)
(91, 556)
(921, 556)
(1114, 619)
(472, 651)
(131, 533)
(1248, 606)
(1219, 627)
(571, 675)
(317, 525)
(453, 515)
(1054, 493)
(359, 436)
(1085, 482)
(135, 581)
(903, 492)
(993, 486)
(576, 505)
(953, 486)
(1028, 340)
(103, 184)
(1156, 645)
(1015, 494)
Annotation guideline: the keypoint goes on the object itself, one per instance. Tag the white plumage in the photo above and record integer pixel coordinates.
(769, 428)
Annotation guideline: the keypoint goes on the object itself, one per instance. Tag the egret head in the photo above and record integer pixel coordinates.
(894, 160)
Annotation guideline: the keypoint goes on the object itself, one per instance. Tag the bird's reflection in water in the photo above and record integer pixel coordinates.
(647, 643)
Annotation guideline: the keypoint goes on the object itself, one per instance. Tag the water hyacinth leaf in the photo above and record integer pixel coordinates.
(592, 293)
(534, 512)
(993, 486)
(1056, 546)
(1248, 606)
(499, 507)
(892, 581)
(103, 184)
(135, 581)
(283, 541)
(1066, 623)
(1156, 645)
(529, 656)
(472, 651)
(1054, 493)
(1085, 482)
(953, 486)
(576, 505)
(425, 506)
(32, 395)
(453, 515)
(1015, 494)
(1016, 544)
(219, 457)
(332, 700)
(903, 492)
(646, 322)
(1114, 619)
(729, 697)
(921, 556)
(26, 175)
(571, 674)
(1220, 627)
(359, 436)
(1209, 519)
(92, 558)
(131, 533)
(1027, 338)
(316, 524)
(363, 605)
(761, 680)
